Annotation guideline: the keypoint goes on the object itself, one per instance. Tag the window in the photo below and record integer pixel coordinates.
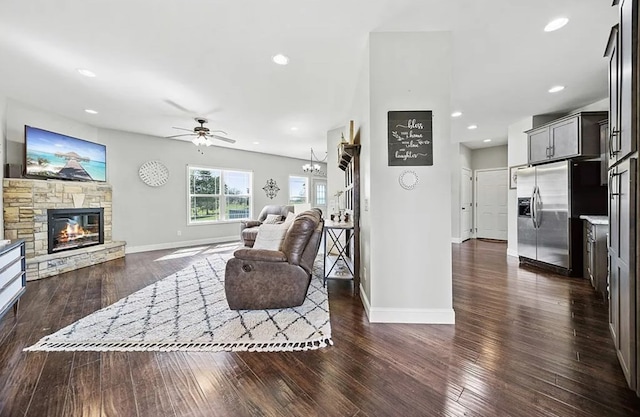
(298, 190)
(218, 195)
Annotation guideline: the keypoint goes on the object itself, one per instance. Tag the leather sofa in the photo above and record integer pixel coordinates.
(263, 279)
(249, 228)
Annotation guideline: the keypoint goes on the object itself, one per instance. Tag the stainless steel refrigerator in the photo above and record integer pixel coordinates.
(551, 197)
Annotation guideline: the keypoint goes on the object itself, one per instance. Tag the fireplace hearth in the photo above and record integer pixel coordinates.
(74, 228)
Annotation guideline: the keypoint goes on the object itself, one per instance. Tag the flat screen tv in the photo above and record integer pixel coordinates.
(56, 156)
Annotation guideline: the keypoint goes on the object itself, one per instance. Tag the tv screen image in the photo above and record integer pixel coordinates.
(52, 155)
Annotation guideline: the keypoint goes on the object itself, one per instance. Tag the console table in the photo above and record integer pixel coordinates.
(13, 279)
(340, 265)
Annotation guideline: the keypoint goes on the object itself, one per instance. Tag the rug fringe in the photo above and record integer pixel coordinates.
(184, 347)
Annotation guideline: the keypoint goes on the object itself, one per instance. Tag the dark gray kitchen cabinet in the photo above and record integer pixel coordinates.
(611, 140)
(573, 136)
(622, 53)
(622, 156)
(595, 252)
(622, 253)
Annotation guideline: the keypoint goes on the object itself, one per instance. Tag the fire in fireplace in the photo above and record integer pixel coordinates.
(75, 228)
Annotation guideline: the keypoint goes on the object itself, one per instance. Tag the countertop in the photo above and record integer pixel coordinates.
(595, 219)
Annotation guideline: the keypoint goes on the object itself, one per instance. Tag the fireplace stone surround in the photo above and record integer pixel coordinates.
(25, 217)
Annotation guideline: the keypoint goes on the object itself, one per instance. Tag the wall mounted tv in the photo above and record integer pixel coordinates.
(56, 156)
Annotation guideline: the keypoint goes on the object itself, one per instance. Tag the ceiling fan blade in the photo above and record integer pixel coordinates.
(219, 131)
(177, 106)
(179, 136)
(182, 128)
(222, 138)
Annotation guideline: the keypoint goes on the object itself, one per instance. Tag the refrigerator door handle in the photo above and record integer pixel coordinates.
(536, 206)
(613, 151)
(532, 206)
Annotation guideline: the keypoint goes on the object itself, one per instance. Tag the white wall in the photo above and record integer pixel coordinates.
(3, 146)
(601, 105)
(465, 156)
(359, 113)
(150, 217)
(487, 158)
(410, 259)
(517, 155)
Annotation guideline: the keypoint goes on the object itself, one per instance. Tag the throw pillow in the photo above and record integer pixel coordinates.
(270, 236)
(290, 218)
(272, 219)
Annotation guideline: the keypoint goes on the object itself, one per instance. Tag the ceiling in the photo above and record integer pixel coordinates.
(160, 64)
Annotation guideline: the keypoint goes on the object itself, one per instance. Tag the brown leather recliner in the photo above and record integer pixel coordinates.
(249, 228)
(258, 279)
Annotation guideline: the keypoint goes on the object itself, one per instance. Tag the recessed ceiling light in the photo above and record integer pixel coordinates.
(90, 111)
(280, 59)
(456, 114)
(471, 127)
(556, 24)
(487, 140)
(556, 88)
(294, 128)
(256, 143)
(86, 72)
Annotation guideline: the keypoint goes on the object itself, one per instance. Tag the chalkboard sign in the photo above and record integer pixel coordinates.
(410, 138)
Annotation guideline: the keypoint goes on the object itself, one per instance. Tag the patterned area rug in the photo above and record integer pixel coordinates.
(188, 311)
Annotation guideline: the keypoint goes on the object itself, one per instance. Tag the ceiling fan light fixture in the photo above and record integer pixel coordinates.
(200, 140)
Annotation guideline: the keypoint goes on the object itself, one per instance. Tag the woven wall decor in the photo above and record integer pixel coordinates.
(154, 173)
(408, 179)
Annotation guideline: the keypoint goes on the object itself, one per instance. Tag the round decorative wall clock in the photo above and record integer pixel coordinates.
(154, 173)
(408, 180)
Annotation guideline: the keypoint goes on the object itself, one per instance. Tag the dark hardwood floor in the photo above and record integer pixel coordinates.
(525, 343)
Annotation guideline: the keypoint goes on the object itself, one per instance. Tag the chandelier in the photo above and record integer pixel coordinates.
(311, 167)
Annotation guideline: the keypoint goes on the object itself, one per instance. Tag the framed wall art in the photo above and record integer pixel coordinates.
(513, 175)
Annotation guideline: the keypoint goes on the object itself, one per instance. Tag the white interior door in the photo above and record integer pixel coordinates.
(466, 204)
(491, 203)
(319, 197)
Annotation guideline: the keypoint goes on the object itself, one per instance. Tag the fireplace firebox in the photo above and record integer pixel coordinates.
(74, 228)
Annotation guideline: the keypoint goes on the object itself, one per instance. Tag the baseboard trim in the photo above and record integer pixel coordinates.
(411, 315)
(365, 303)
(456, 240)
(181, 244)
(511, 252)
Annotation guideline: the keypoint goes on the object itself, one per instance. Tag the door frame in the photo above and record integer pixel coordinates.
(475, 198)
(463, 175)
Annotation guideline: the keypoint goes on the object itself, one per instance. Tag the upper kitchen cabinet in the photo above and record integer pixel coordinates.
(622, 58)
(573, 136)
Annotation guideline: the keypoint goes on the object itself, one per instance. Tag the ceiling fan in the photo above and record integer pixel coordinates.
(202, 134)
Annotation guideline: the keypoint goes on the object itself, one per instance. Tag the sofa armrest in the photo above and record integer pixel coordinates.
(260, 255)
(251, 223)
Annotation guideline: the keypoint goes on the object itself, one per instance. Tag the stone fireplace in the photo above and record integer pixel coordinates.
(27, 204)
